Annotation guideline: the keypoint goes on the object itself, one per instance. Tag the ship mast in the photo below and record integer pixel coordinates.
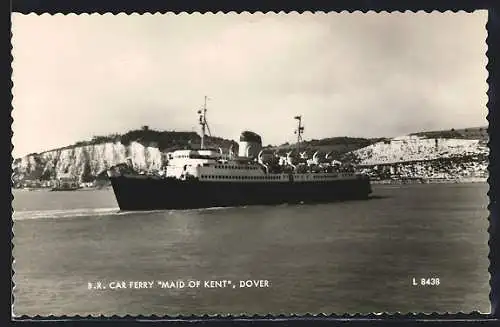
(299, 131)
(203, 122)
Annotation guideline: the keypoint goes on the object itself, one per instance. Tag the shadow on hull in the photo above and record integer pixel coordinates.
(144, 194)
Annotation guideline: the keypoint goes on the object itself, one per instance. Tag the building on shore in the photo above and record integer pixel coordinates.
(65, 181)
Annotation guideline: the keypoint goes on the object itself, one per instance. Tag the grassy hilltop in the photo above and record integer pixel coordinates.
(164, 140)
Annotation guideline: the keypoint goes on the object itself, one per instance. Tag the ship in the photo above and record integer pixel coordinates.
(207, 177)
(65, 183)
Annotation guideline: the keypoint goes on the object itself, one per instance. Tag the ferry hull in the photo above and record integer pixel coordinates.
(156, 194)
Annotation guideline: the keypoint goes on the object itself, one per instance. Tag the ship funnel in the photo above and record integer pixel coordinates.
(250, 144)
(248, 154)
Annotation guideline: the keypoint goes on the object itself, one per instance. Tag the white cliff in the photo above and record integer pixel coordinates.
(85, 161)
(414, 148)
(417, 157)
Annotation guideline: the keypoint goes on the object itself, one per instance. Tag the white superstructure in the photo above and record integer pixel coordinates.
(211, 165)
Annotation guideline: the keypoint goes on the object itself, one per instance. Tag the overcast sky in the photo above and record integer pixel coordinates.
(366, 75)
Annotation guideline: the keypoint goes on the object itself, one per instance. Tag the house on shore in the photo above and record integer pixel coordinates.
(66, 181)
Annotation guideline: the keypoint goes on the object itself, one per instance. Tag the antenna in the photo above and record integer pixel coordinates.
(299, 131)
(203, 122)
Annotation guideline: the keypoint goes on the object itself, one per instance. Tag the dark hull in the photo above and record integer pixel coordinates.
(56, 189)
(154, 194)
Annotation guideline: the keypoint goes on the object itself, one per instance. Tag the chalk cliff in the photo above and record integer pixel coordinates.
(85, 162)
(414, 148)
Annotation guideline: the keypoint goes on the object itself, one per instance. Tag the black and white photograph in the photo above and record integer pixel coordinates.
(250, 164)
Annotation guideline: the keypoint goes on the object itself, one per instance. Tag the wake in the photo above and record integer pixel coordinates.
(65, 213)
(97, 212)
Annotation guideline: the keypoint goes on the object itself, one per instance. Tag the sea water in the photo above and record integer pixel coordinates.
(356, 256)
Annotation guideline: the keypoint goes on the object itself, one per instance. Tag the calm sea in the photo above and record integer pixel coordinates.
(358, 256)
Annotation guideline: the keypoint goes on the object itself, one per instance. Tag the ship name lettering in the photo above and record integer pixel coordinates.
(216, 283)
(171, 284)
(140, 284)
(117, 284)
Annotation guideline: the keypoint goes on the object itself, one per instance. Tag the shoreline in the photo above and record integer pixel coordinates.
(47, 189)
(373, 182)
(430, 181)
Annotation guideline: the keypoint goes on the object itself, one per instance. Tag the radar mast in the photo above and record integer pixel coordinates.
(203, 122)
(299, 131)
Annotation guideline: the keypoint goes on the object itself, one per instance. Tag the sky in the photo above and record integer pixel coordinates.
(347, 74)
